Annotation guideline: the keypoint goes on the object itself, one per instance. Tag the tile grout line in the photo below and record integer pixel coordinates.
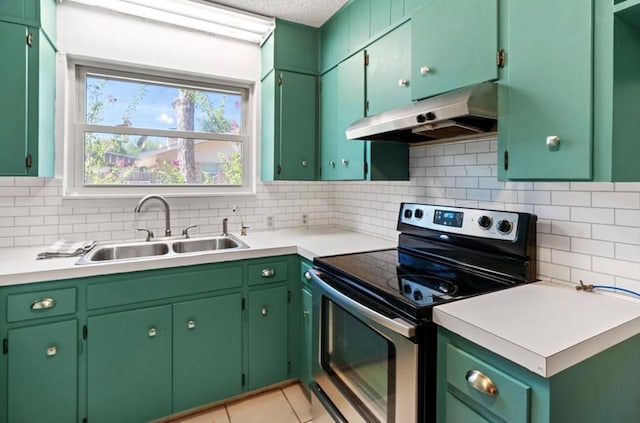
(291, 405)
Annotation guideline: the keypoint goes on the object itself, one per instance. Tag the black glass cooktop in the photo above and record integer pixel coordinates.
(406, 283)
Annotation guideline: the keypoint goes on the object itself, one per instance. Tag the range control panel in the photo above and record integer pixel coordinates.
(473, 222)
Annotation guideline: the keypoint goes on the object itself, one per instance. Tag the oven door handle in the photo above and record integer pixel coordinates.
(397, 325)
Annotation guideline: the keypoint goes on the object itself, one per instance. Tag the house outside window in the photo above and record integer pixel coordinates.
(137, 132)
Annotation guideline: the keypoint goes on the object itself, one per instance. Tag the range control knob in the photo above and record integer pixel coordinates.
(408, 213)
(417, 295)
(504, 226)
(407, 288)
(429, 116)
(484, 222)
(419, 213)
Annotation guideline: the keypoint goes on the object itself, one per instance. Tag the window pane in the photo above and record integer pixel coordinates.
(146, 104)
(118, 159)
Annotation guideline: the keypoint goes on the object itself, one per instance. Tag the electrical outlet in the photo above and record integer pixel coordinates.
(269, 220)
(304, 219)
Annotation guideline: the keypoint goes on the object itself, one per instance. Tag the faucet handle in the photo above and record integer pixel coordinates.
(243, 230)
(148, 231)
(185, 231)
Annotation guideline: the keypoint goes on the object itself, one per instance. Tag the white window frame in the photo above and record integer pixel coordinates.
(73, 174)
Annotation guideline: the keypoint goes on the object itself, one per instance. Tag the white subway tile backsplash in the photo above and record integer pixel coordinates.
(616, 233)
(572, 229)
(534, 197)
(625, 269)
(570, 198)
(627, 252)
(623, 200)
(625, 217)
(592, 215)
(566, 258)
(593, 247)
(592, 186)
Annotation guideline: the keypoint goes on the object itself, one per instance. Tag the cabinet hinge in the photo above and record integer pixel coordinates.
(288, 296)
(243, 379)
(278, 169)
(366, 59)
(506, 160)
(366, 168)
(84, 420)
(366, 106)
(30, 40)
(280, 80)
(288, 367)
(29, 161)
(85, 332)
(242, 304)
(500, 58)
(5, 346)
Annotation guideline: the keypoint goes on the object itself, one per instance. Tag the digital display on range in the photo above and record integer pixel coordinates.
(448, 218)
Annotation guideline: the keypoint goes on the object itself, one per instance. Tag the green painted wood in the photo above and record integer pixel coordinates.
(458, 412)
(334, 39)
(306, 333)
(269, 128)
(381, 15)
(267, 53)
(351, 101)
(48, 19)
(297, 146)
(458, 41)
(411, 5)
(42, 127)
(128, 370)
(137, 287)
(19, 306)
(330, 134)
(267, 330)
(19, 11)
(359, 24)
(296, 47)
(542, 100)
(397, 10)
(14, 100)
(388, 161)
(389, 63)
(512, 401)
(267, 272)
(42, 383)
(207, 355)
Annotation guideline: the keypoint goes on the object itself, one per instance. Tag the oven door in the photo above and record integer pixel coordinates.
(365, 362)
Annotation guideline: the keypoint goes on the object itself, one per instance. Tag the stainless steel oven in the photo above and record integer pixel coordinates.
(374, 351)
(365, 360)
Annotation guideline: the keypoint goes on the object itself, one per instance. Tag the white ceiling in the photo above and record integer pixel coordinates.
(308, 12)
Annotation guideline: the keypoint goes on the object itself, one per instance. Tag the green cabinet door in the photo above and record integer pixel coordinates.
(207, 351)
(129, 365)
(547, 91)
(457, 412)
(381, 15)
(267, 332)
(334, 39)
(330, 134)
(306, 337)
(14, 99)
(43, 373)
(389, 71)
(359, 24)
(454, 44)
(19, 10)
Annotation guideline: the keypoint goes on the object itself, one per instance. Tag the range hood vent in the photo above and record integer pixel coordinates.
(462, 113)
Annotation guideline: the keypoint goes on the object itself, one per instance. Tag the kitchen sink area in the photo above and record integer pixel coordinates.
(137, 250)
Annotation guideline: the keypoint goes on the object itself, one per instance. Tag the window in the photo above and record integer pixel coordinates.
(137, 132)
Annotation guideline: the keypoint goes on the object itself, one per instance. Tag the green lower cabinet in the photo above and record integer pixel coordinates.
(602, 388)
(306, 337)
(43, 373)
(129, 365)
(267, 320)
(207, 350)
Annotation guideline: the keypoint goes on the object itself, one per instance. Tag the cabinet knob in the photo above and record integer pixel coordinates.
(403, 83)
(43, 304)
(553, 141)
(332, 163)
(264, 311)
(344, 162)
(191, 324)
(425, 70)
(267, 273)
(51, 351)
(304, 163)
(152, 332)
(305, 313)
(307, 275)
(481, 382)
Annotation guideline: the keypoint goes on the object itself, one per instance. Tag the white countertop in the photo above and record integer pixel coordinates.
(19, 265)
(545, 327)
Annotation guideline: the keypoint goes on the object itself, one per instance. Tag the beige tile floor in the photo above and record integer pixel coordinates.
(285, 405)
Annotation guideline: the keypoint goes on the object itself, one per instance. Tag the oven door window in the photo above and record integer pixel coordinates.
(360, 361)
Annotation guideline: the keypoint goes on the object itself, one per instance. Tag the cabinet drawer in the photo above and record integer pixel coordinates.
(39, 304)
(268, 272)
(511, 401)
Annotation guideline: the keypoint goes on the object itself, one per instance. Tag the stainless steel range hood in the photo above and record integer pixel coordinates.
(462, 113)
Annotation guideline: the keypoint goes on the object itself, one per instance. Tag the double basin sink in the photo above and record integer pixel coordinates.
(159, 249)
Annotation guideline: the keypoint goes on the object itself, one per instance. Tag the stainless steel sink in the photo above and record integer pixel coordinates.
(207, 244)
(160, 249)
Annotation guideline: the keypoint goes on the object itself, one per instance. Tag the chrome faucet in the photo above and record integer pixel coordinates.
(224, 227)
(167, 217)
(243, 228)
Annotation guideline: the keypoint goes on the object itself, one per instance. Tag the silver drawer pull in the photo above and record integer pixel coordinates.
(51, 351)
(267, 273)
(43, 304)
(307, 275)
(191, 324)
(152, 332)
(481, 382)
(264, 311)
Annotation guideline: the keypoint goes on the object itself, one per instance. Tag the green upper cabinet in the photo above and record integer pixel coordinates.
(27, 30)
(454, 44)
(289, 126)
(411, 5)
(330, 133)
(359, 23)
(389, 71)
(291, 47)
(334, 40)
(546, 91)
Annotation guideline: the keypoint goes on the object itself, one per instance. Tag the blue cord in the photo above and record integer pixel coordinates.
(616, 289)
